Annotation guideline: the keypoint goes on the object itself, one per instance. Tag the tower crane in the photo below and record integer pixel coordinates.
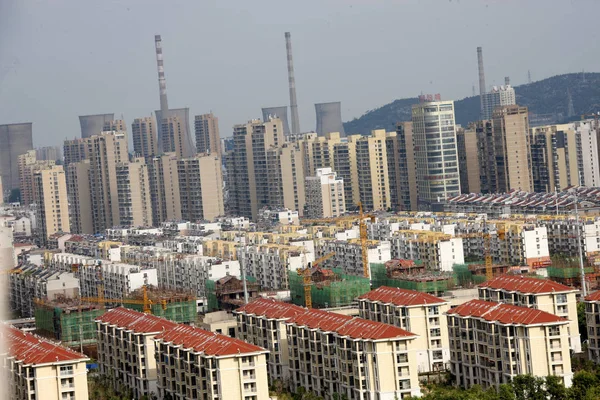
(305, 273)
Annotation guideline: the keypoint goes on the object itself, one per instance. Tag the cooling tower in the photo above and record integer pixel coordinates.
(279, 112)
(189, 149)
(15, 139)
(329, 118)
(94, 124)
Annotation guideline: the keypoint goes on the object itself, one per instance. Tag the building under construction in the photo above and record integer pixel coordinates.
(174, 305)
(394, 274)
(329, 288)
(566, 270)
(227, 293)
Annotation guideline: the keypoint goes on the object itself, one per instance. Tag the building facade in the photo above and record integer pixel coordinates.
(145, 138)
(201, 187)
(133, 190)
(50, 195)
(324, 195)
(208, 139)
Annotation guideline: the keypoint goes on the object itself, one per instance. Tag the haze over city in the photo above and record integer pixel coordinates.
(62, 59)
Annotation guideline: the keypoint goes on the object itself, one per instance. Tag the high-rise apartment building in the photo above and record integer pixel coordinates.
(201, 187)
(285, 178)
(587, 132)
(164, 188)
(51, 153)
(324, 195)
(512, 150)
(74, 151)
(401, 167)
(133, 188)
(80, 197)
(208, 139)
(50, 195)
(15, 139)
(436, 155)
(485, 152)
(499, 96)
(346, 167)
(318, 151)
(28, 164)
(468, 159)
(143, 131)
(372, 167)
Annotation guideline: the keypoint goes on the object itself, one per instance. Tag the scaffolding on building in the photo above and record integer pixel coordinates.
(330, 288)
(174, 305)
(429, 281)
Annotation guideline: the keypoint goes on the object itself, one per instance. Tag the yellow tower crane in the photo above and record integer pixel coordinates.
(146, 302)
(305, 273)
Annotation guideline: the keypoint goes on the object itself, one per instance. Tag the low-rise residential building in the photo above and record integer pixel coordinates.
(39, 369)
(196, 364)
(262, 322)
(592, 321)
(348, 254)
(491, 343)
(126, 348)
(437, 250)
(541, 294)
(417, 312)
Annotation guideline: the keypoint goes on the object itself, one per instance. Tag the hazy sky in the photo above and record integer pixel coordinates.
(63, 58)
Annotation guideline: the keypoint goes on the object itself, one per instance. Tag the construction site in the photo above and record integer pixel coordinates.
(567, 270)
(227, 293)
(174, 305)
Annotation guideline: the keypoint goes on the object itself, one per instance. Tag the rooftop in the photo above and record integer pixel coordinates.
(136, 321)
(271, 309)
(593, 296)
(34, 350)
(505, 313)
(401, 297)
(522, 284)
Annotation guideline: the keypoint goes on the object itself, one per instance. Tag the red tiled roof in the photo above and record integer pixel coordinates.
(401, 297)
(271, 309)
(522, 284)
(593, 296)
(136, 321)
(33, 350)
(202, 341)
(504, 313)
(345, 325)
(23, 244)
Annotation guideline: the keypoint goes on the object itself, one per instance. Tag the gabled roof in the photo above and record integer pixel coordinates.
(505, 313)
(202, 341)
(135, 321)
(401, 297)
(593, 296)
(271, 309)
(34, 350)
(522, 284)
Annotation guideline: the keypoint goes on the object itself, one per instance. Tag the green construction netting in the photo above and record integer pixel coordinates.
(338, 292)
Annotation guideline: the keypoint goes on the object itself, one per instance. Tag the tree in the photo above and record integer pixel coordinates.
(555, 388)
(506, 392)
(581, 321)
(528, 387)
(583, 381)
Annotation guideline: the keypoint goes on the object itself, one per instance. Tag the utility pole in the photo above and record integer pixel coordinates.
(243, 269)
(583, 288)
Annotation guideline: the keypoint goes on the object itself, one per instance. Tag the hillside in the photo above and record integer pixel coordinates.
(548, 96)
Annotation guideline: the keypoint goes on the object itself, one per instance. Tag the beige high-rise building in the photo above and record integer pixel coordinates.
(80, 197)
(105, 152)
(74, 151)
(318, 151)
(50, 195)
(285, 178)
(324, 195)
(208, 139)
(346, 167)
(28, 165)
(373, 177)
(468, 159)
(116, 125)
(144, 134)
(164, 189)
(402, 167)
(201, 187)
(512, 149)
(133, 188)
(173, 132)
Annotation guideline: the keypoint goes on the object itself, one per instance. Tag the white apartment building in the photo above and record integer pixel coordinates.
(269, 263)
(562, 234)
(262, 322)
(541, 294)
(361, 359)
(592, 321)
(588, 141)
(38, 369)
(437, 250)
(499, 96)
(491, 343)
(126, 348)
(348, 254)
(324, 195)
(416, 312)
(196, 364)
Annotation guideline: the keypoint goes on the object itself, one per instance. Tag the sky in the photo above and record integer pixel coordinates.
(63, 58)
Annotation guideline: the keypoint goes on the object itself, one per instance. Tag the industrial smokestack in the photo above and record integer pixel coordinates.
(279, 112)
(506, 80)
(481, 78)
(162, 86)
(329, 118)
(292, 84)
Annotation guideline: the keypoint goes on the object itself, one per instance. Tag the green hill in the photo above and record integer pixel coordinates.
(548, 96)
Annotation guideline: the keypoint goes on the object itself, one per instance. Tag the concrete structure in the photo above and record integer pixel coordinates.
(50, 195)
(482, 88)
(592, 321)
(588, 136)
(8, 259)
(540, 294)
(372, 167)
(133, 189)
(94, 124)
(277, 112)
(49, 153)
(292, 85)
(164, 188)
(348, 254)
(145, 138)
(75, 150)
(468, 159)
(213, 365)
(35, 368)
(329, 118)
(80, 197)
(324, 195)
(15, 139)
(208, 139)
(436, 155)
(28, 164)
(491, 343)
(201, 187)
(416, 312)
(401, 167)
(285, 178)
(221, 322)
(498, 96)
(438, 251)
(174, 131)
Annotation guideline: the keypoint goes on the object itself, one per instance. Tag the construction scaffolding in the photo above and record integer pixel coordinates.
(223, 293)
(174, 305)
(566, 270)
(330, 288)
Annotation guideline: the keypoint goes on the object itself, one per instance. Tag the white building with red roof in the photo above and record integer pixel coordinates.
(541, 294)
(417, 312)
(39, 369)
(491, 343)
